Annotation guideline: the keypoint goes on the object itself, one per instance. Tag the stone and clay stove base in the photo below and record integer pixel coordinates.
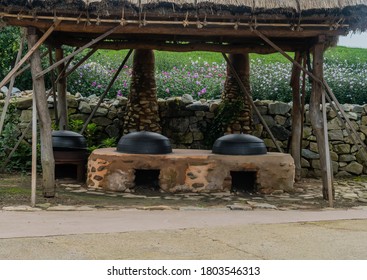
(198, 171)
(189, 171)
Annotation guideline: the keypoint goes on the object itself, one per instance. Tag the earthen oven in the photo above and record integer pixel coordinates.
(190, 171)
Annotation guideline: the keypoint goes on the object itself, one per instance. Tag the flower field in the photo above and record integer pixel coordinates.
(203, 74)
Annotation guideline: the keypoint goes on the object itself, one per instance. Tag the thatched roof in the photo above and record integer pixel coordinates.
(193, 21)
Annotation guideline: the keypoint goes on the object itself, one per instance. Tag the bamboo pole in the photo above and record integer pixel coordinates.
(91, 43)
(106, 91)
(12, 81)
(30, 52)
(244, 90)
(192, 22)
(34, 151)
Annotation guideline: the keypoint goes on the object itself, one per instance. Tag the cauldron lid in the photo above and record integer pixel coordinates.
(144, 142)
(63, 140)
(239, 144)
(65, 133)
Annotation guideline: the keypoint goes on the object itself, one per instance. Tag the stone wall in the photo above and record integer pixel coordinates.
(184, 121)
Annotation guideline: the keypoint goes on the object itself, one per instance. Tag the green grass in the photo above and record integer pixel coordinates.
(168, 60)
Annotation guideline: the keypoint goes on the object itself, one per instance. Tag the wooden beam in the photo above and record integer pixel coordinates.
(80, 62)
(321, 82)
(25, 68)
(39, 93)
(189, 47)
(297, 124)
(91, 43)
(53, 86)
(248, 95)
(176, 27)
(30, 52)
(106, 91)
(62, 106)
(329, 168)
(34, 152)
(317, 120)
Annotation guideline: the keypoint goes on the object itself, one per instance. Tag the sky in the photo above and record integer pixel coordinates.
(354, 40)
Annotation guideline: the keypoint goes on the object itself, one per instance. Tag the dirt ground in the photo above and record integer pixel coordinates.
(15, 190)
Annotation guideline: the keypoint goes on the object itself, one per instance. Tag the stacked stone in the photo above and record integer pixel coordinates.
(232, 93)
(277, 116)
(184, 120)
(142, 108)
(348, 159)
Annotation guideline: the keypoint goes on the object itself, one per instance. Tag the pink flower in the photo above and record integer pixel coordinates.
(94, 84)
(167, 90)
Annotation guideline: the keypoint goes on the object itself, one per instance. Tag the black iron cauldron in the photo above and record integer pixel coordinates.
(239, 144)
(65, 140)
(144, 142)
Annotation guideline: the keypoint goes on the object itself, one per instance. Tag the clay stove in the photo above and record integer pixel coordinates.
(190, 171)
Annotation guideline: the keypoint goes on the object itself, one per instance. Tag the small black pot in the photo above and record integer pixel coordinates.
(239, 144)
(65, 140)
(144, 142)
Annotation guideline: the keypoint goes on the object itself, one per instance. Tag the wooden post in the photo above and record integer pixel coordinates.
(62, 106)
(34, 151)
(296, 118)
(317, 118)
(47, 157)
(53, 85)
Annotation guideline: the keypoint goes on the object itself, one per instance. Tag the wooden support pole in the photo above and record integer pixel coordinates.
(243, 88)
(106, 91)
(329, 169)
(76, 66)
(317, 120)
(52, 75)
(39, 93)
(297, 123)
(65, 67)
(27, 66)
(62, 106)
(12, 81)
(91, 43)
(322, 82)
(34, 152)
(29, 53)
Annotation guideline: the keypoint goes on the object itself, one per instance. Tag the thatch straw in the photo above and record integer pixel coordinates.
(317, 5)
(271, 7)
(355, 11)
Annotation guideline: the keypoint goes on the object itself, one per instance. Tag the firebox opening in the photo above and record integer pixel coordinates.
(243, 181)
(66, 171)
(147, 179)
